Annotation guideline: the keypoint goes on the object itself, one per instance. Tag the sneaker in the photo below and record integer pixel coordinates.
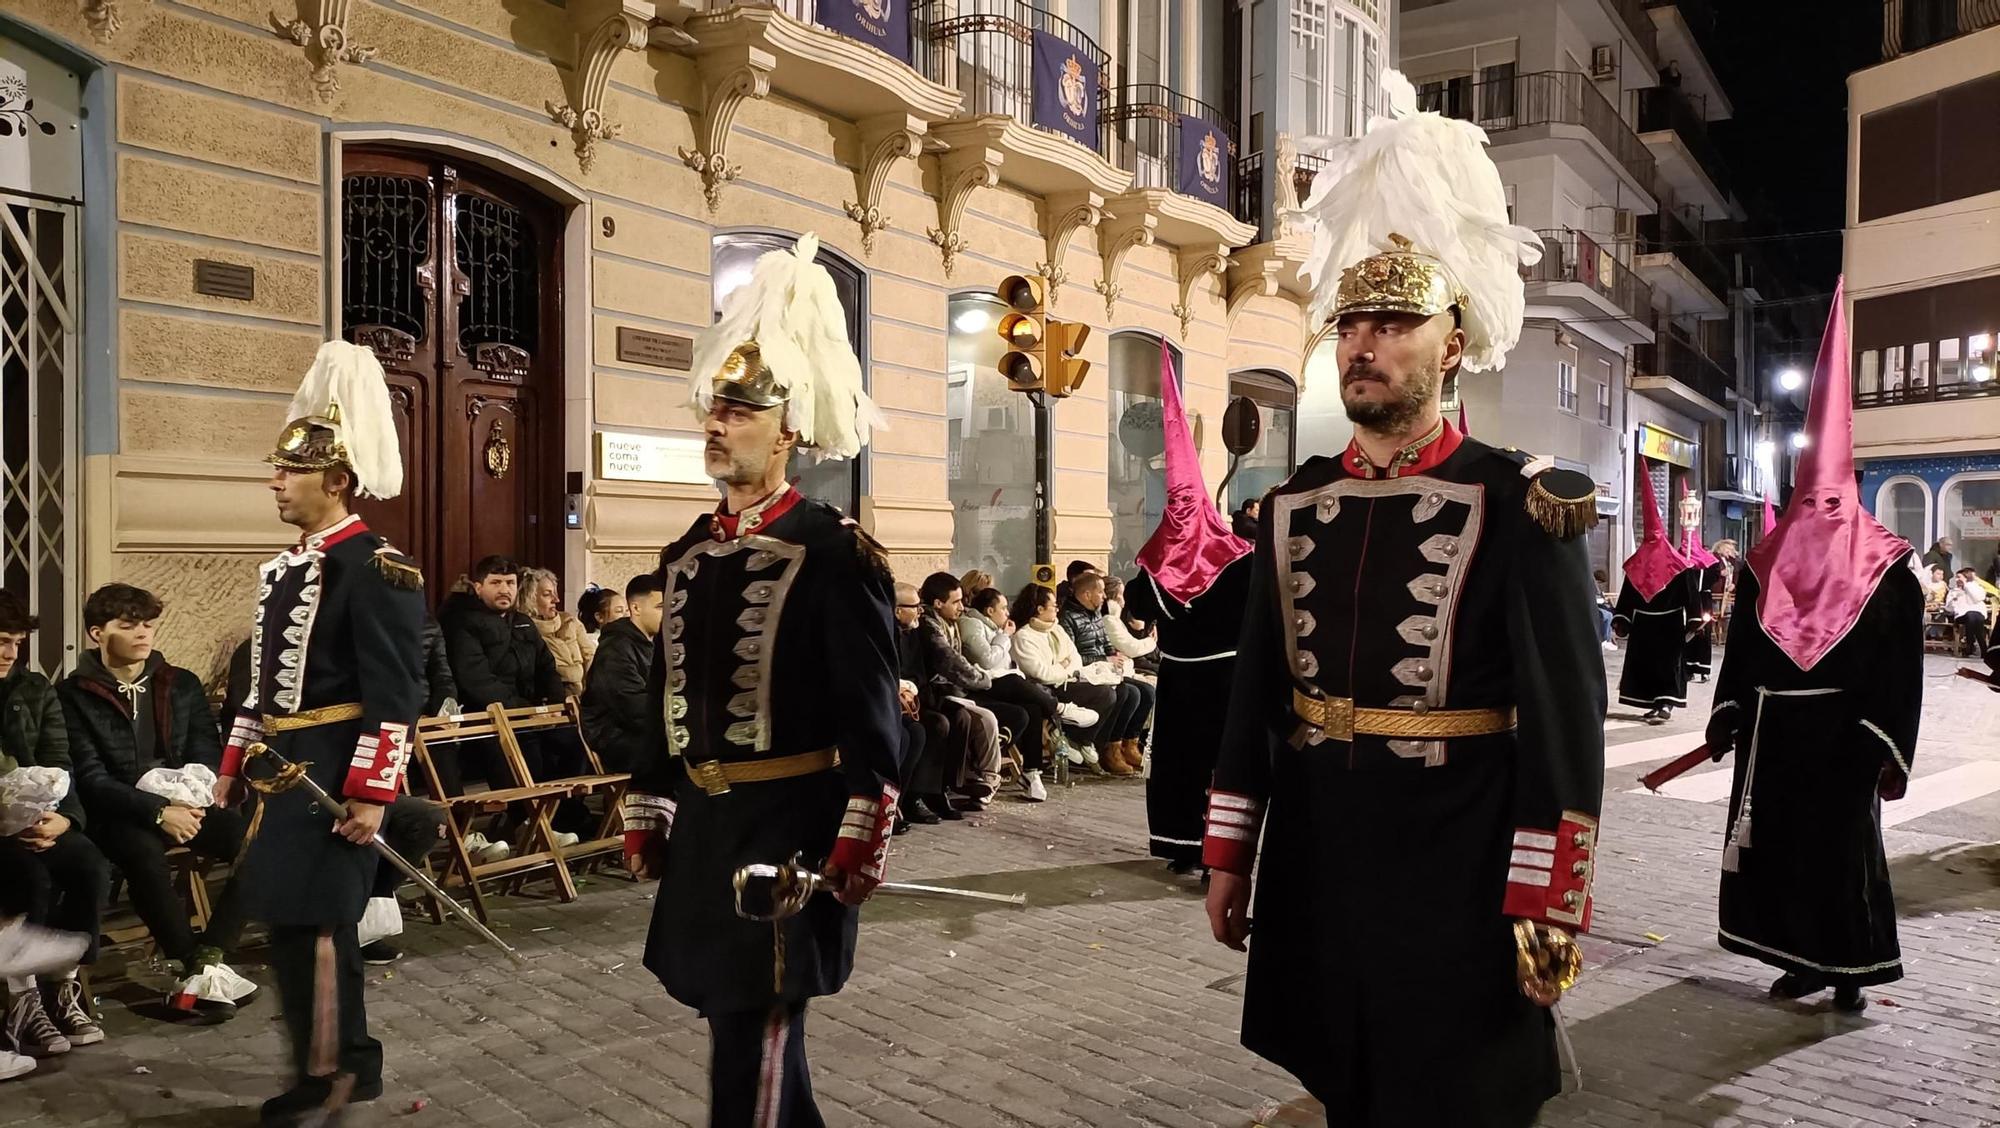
(1067, 750)
(14, 1065)
(1031, 784)
(29, 1028)
(1609, 646)
(71, 1016)
(211, 987)
(30, 949)
(564, 839)
(1076, 715)
(485, 853)
(381, 953)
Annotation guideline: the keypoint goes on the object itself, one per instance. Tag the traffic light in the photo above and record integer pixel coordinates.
(1023, 331)
(1064, 371)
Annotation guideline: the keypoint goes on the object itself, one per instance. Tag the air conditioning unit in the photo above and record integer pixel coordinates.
(1603, 63)
(1624, 226)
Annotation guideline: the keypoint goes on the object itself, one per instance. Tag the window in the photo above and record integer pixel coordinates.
(1270, 461)
(1969, 513)
(1903, 505)
(1604, 401)
(1136, 484)
(1566, 386)
(1087, 16)
(1919, 153)
(1309, 19)
(990, 450)
(1496, 95)
(835, 481)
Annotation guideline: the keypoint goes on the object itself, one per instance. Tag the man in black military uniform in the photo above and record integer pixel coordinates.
(338, 679)
(775, 697)
(1415, 726)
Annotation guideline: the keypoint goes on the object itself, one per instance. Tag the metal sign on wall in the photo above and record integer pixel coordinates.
(625, 457)
(1665, 446)
(40, 104)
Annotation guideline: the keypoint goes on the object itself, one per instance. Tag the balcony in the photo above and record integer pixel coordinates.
(1912, 25)
(1544, 111)
(1632, 13)
(1675, 131)
(988, 57)
(805, 58)
(1586, 281)
(1250, 187)
(1675, 261)
(1673, 372)
(1192, 191)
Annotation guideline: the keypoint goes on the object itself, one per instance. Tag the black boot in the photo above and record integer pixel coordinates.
(920, 812)
(1847, 999)
(1796, 985)
(940, 807)
(315, 1102)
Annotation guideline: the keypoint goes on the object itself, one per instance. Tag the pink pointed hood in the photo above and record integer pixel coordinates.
(1819, 566)
(1655, 563)
(1193, 543)
(1770, 517)
(1690, 542)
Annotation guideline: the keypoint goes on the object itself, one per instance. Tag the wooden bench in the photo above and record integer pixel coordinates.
(460, 811)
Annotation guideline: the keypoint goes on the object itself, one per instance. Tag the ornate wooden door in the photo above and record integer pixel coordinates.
(450, 274)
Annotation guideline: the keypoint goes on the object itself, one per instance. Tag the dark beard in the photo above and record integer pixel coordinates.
(1396, 415)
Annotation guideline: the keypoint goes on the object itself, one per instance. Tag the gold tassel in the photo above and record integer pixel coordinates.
(1564, 517)
(398, 570)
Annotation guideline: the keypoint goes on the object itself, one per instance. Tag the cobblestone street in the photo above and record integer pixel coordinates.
(1104, 1002)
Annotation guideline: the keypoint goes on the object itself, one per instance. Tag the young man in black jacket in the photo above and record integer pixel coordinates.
(50, 873)
(129, 711)
(614, 694)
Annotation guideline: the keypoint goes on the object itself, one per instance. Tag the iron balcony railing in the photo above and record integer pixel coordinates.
(1572, 256)
(1250, 187)
(1665, 108)
(1664, 233)
(984, 49)
(1912, 25)
(1142, 127)
(1673, 356)
(1542, 98)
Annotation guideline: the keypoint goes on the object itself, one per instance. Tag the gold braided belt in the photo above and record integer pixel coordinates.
(1339, 719)
(716, 777)
(311, 718)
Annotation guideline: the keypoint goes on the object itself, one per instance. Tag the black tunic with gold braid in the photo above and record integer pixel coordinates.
(1416, 729)
(776, 653)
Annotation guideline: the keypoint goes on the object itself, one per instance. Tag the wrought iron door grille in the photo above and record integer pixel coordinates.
(495, 254)
(385, 242)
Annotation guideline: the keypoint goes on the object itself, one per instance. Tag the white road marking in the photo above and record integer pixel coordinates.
(1711, 786)
(1656, 748)
(1948, 788)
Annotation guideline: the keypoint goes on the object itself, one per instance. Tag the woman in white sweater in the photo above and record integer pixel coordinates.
(1047, 656)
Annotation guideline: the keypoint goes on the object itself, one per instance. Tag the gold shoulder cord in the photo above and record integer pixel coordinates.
(1564, 517)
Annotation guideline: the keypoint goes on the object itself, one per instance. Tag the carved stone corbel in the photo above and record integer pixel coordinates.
(1263, 284)
(1115, 239)
(959, 172)
(323, 33)
(602, 29)
(1063, 214)
(884, 140)
(727, 78)
(101, 16)
(1193, 264)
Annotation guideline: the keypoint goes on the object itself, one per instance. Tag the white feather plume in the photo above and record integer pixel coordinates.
(349, 375)
(791, 309)
(1427, 178)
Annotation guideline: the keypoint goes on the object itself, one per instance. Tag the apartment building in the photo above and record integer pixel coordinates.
(1922, 260)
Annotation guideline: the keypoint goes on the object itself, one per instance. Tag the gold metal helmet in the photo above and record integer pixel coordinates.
(1402, 280)
(744, 378)
(311, 444)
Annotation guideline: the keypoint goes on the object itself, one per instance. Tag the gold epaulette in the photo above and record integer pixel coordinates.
(874, 557)
(1562, 501)
(399, 570)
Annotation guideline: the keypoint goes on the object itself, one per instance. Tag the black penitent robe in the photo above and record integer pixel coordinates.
(1655, 672)
(1815, 750)
(1699, 654)
(1197, 665)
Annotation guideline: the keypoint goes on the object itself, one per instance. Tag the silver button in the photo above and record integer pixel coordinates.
(1451, 548)
(1580, 868)
(1423, 673)
(1420, 707)
(1430, 632)
(1572, 898)
(1434, 499)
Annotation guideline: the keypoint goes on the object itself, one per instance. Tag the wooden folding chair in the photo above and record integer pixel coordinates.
(461, 810)
(511, 724)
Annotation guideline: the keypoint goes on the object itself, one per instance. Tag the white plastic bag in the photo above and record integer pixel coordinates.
(26, 794)
(382, 918)
(191, 786)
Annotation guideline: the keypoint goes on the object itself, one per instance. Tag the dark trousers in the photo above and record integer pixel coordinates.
(319, 974)
(139, 851)
(922, 742)
(1142, 712)
(1035, 706)
(61, 887)
(411, 828)
(1124, 720)
(1973, 624)
(757, 1074)
(1100, 699)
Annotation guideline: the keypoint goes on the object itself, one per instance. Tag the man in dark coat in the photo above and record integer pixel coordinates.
(498, 657)
(338, 681)
(1416, 724)
(614, 693)
(1819, 696)
(775, 689)
(129, 711)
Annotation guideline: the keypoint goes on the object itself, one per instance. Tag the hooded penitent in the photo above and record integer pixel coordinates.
(341, 416)
(1817, 568)
(1655, 563)
(1193, 543)
(1690, 541)
(782, 341)
(1770, 516)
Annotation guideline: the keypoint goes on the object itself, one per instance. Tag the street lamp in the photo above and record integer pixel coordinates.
(1791, 380)
(1798, 440)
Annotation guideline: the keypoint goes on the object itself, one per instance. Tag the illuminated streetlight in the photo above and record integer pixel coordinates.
(971, 320)
(1791, 380)
(1798, 440)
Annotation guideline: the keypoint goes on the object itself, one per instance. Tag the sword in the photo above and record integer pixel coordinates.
(286, 775)
(779, 891)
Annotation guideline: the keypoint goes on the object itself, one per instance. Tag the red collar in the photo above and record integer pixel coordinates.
(724, 525)
(350, 526)
(1420, 457)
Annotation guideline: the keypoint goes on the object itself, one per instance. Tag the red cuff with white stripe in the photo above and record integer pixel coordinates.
(1234, 822)
(862, 846)
(375, 774)
(248, 730)
(646, 817)
(1550, 873)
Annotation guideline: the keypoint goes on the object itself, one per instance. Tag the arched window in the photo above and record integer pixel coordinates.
(1903, 505)
(989, 451)
(1135, 480)
(734, 254)
(1271, 460)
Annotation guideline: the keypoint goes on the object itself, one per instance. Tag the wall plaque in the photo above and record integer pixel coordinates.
(658, 350)
(225, 280)
(625, 457)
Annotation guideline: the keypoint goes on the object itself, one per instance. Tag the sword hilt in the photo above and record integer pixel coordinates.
(285, 774)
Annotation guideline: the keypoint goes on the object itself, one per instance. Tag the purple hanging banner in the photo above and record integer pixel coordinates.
(1065, 90)
(878, 23)
(1204, 162)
